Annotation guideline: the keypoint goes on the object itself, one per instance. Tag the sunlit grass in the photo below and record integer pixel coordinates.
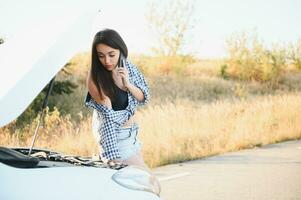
(193, 112)
(187, 130)
(183, 130)
(57, 133)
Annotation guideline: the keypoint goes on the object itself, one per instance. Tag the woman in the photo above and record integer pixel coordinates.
(115, 91)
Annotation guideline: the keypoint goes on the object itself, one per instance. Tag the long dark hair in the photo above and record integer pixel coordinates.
(100, 76)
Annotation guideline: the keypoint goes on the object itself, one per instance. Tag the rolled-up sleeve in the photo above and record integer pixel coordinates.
(140, 82)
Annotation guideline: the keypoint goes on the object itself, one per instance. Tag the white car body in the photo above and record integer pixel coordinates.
(49, 179)
(74, 183)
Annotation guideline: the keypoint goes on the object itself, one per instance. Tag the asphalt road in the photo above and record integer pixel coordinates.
(271, 172)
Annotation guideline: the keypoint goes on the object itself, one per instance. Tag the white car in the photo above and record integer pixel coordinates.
(45, 174)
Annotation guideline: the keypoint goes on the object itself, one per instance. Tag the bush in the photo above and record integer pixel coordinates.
(249, 59)
(31, 112)
(223, 71)
(295, 55)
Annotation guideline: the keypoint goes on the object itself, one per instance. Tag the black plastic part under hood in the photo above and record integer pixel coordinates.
(16, 159)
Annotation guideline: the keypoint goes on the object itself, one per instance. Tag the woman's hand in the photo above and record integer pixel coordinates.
(135, 91)
(115, 162)
(123, 72)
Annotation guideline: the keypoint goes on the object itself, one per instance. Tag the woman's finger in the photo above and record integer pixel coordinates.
(122, 69)
(121, 73)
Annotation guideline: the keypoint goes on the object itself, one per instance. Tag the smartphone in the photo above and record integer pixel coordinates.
(121, 60)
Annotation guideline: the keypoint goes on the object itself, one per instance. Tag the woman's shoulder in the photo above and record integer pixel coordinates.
(132, 68)
(129, 64)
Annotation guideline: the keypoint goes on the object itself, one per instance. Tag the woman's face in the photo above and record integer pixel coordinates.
(108, 56)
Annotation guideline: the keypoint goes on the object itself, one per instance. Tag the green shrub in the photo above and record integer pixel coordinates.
(249, 59)
(295, 55)
(223, 71)
(31, 112)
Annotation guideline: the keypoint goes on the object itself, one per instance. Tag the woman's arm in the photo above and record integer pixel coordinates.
(139, 81)
(92, 88)
(134, 90)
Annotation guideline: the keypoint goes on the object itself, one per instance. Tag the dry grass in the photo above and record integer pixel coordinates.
(193, 113)
(58, 133)
(186, 130)
(183, 130)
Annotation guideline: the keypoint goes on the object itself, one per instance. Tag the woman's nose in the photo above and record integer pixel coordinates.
(107, 60)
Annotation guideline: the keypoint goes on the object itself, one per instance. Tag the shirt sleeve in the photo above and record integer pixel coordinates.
(108, 128)
(140, 82)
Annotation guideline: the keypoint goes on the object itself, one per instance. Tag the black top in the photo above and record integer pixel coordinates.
(120, 101)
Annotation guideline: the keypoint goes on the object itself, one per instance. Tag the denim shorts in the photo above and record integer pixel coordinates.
(127, 141)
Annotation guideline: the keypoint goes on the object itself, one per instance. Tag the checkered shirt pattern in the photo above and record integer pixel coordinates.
(111, 121)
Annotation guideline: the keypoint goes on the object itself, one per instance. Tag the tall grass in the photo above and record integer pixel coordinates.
(193, 112)
(163, 65)
(183, 130)
(58, 133)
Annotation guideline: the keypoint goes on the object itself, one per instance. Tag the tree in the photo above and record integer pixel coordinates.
(170, 20)
(59, 88)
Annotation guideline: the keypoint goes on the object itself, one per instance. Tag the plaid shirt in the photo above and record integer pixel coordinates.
(111, 121)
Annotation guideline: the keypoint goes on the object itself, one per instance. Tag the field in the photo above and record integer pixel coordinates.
(194, 112)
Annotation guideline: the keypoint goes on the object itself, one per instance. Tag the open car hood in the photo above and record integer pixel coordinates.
(32, 58)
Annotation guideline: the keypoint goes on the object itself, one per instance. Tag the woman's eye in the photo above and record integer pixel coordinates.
(111, 56)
